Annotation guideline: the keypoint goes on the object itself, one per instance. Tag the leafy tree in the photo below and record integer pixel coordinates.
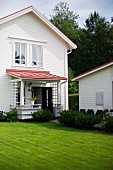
(65, 20)
(95, 44)
(72, 86)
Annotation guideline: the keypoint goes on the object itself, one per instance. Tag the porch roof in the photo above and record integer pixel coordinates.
(33, 74)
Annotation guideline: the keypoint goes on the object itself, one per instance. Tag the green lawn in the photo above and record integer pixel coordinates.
(49, 146)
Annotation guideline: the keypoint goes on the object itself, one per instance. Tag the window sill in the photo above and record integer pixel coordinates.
(29, 67)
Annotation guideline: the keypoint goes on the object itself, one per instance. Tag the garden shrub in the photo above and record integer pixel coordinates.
(109, 124)
(3, 117)
(86, 121)
(42, 115)
(12, 115)
(74, 101)
(78, 120)
(67, 117)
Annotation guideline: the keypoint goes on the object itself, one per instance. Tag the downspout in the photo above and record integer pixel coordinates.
(66, 74)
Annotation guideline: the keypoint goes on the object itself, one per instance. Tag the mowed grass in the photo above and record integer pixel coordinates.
(49, 146)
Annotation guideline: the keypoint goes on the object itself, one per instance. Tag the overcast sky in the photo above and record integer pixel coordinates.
(81, 7)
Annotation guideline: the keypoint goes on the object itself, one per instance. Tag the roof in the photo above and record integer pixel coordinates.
(33, 74)
(43, 18)
(92, 70)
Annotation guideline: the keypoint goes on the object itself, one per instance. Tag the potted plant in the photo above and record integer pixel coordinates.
(32, 99)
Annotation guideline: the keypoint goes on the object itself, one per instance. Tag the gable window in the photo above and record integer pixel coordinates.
(99, 99)
(37, 55)
(20, 53)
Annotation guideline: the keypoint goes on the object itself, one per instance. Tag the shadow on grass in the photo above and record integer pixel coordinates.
(60, 127)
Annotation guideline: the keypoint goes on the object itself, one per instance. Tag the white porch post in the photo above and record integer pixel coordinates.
(58, 93)
(22, 93)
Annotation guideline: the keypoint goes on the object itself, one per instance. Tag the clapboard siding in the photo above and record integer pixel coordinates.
(29, 26)
(100, 81)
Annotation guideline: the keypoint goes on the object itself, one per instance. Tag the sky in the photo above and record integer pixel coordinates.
(81, 7)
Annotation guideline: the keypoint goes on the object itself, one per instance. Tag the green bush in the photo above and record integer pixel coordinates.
(109, 124)
(42, 115)
(78, 120)
(3, 117)
(12, 115)
(67, 118)
(86, 121)
(74, 101)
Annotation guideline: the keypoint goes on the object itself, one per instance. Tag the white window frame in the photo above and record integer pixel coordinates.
(42, 53)
(28, 51)
(14, 46)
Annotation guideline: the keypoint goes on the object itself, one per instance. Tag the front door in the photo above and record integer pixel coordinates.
(47, 98)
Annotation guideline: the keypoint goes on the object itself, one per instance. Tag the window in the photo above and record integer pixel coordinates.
(20, 53)
(36, 55)
(28, 53)
(99, 99)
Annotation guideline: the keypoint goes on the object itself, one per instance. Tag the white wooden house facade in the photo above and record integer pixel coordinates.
(96, 88)
(34, 62)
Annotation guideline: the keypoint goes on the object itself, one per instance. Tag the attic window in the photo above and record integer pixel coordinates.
(99, 99)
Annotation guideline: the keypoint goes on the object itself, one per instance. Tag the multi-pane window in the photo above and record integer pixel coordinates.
(20, 53)
(36, 55)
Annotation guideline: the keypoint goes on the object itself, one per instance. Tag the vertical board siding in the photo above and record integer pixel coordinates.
(29, 26)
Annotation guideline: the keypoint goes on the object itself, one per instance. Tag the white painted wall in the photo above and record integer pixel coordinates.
(28, 27)
(100, 81)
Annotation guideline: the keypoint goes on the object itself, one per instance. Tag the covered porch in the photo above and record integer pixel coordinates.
(33, 90)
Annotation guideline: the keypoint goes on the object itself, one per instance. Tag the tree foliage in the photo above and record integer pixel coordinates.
(72, 86)
(65, 20)
(95, 44)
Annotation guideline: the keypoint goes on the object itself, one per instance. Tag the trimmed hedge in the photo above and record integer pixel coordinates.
(78, 119)
(3, 116)
(109, 124)
(12, 115)
(74, 101)
(42, 115)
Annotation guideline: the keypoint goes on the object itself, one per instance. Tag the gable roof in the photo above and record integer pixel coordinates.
(33, 74)
(76, 78)
(43, 18)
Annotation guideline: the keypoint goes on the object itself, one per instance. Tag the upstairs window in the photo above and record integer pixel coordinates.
(37, 55)
(20, 53)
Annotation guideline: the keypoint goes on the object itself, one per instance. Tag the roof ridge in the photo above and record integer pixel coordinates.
(16, 12)
(92, 70)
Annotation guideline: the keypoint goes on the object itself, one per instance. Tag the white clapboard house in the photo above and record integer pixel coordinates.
(96, 88)
(34, 63)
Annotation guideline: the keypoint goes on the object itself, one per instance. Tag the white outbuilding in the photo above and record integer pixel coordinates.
(96, 88)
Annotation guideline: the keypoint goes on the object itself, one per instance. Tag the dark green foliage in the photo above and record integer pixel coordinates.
(67, 118)
(65, 20)
(95, 44)
(42, 115)
(72, 85)
(74, 101)
(3, 117)
(86, 121)
(12, 115)
(78, 120)
(109, 124)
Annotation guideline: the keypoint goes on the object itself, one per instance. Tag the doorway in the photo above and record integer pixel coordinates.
(44, 97)
(47, 98)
